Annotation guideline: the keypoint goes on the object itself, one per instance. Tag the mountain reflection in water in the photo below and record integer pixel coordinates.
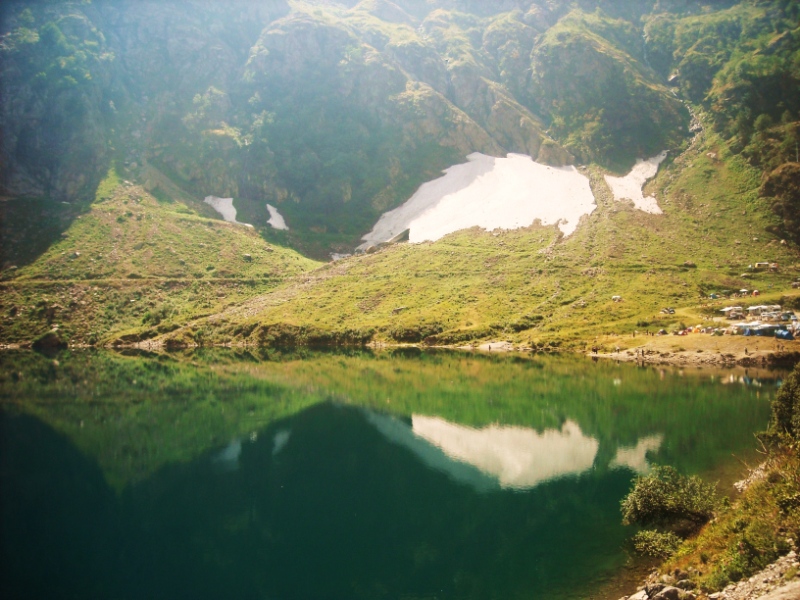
(340, 477)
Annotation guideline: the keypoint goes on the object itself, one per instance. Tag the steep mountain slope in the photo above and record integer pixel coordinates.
(332, 112)
(335, 112)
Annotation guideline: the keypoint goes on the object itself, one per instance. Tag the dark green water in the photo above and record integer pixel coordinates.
(325, 476)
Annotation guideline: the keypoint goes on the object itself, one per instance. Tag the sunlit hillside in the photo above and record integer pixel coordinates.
(334, 113)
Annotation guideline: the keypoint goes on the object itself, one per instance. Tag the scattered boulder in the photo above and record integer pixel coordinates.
(669, 593)
(654, 588)
(48, 341)
(247, 258)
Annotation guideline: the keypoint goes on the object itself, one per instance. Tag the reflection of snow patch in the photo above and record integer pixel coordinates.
(511, 457)
(492, 193)
(228, 457)
(517, 456)
(224, 206)
(630, 186)
(276, 219)
(280, 440)
(635, 458)
(398, 432)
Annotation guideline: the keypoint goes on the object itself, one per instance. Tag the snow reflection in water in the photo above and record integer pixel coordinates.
(228, 458)
(494, 456)
(635, 457)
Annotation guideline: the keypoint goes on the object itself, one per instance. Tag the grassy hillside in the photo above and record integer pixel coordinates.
(334, 113)
(132, 260)
(533, 286)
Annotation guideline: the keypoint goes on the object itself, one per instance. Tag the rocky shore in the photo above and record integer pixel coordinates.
(698, 350)
(778, 581)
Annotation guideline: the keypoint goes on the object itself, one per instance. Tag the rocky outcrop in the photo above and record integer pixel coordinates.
(600, 99)
(775, 582)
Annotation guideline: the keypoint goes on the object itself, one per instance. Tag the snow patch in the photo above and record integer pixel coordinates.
(630, 186)
(224, 206)
(276, 219)
(491, 193)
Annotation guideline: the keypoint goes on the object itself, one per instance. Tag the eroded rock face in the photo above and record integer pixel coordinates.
(319, 109)
(600, 98)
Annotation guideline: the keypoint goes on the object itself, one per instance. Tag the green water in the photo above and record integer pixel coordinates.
(352, 475)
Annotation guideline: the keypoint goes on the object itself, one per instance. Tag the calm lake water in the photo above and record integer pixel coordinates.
(410, 475)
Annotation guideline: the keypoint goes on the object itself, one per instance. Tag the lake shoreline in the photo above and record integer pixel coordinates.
(695, 350)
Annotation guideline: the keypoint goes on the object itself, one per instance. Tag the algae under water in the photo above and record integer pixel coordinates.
(341, 475)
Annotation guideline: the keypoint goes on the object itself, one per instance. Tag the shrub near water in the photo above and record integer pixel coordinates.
(668, 500)
(655, 543)
(764, 523)
(786, 408)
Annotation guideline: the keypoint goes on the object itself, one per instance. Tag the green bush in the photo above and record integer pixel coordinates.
(666, 499)
(786, 407)
(656, 544)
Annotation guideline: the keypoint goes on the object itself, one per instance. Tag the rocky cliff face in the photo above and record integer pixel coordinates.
(334, 111)
(55, 72)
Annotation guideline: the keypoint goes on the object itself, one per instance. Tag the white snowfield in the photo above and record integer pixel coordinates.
(630, 186)
(224, 206)
(276, 220)
(489, 192)
(506, 193)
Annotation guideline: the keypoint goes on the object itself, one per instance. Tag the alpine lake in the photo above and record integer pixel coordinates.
(397, 474)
